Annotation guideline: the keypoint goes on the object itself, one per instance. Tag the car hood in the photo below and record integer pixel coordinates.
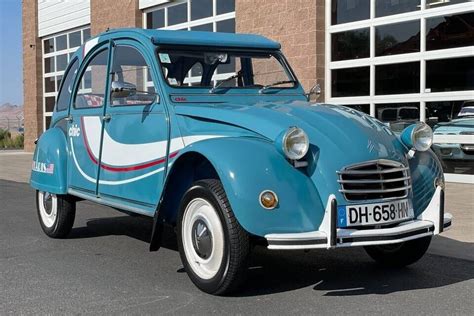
(347, 135)
(456, 126)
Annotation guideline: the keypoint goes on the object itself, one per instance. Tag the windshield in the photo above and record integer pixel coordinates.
(466, 111)
(225, 69)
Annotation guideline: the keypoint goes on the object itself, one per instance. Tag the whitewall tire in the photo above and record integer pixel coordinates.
(56, 213)
(212, 244)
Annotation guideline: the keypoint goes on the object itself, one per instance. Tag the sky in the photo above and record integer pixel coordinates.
(11, 52)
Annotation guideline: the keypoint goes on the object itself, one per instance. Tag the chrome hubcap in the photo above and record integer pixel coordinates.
(48, 208)
(48, 203)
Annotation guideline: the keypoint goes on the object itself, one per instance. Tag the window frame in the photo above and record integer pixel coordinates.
(66, 73)
(104, 46)
(135, 45)
(276, 54)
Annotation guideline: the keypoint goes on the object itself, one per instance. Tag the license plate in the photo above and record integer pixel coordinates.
(375, 214)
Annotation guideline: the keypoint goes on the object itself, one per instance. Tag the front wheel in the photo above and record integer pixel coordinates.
(56, 213)
(400, 254)
(212, 244)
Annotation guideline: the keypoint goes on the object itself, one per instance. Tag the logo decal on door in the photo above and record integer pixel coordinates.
(74, 131)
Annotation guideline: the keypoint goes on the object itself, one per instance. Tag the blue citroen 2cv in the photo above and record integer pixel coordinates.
(212, 133)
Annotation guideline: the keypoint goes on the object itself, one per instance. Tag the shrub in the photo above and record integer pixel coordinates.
(7, 141)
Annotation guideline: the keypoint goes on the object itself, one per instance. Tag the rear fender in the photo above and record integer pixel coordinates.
(49, 166)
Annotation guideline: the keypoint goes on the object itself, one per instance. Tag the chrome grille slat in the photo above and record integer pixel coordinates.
(377, 179)
(374, 181)
(373, 171)
(375, 191)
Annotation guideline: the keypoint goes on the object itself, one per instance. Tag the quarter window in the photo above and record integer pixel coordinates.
(65, 93)
(57, 54)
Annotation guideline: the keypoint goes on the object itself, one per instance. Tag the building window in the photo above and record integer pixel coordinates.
(398, 38)
(407, 62)
(455, 74)
(195, 15)
(397, 78)
(351, 44)
(57, 52)
(344, 11)
(440, 3)
(390, 7)
(350, 82)
(450, 31)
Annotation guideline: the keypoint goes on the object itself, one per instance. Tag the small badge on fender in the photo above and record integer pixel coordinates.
(43, 167)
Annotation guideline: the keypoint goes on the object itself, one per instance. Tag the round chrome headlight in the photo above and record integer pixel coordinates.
(422, 137)
(417, 136)
(295, 143)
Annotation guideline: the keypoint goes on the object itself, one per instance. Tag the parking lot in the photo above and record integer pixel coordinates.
(104, 267)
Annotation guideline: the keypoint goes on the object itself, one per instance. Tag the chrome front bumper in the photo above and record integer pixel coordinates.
(432, 221)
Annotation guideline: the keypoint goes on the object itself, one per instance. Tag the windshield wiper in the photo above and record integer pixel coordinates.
(262, 90)
(237, 75)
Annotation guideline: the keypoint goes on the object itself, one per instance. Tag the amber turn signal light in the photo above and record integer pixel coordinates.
(268, 199)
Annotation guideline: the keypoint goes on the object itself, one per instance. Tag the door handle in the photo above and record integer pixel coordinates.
(69, 118)
(106, 118)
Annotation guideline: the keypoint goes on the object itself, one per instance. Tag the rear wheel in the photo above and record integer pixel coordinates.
(56, 213)
(400, 254)
(212, 244)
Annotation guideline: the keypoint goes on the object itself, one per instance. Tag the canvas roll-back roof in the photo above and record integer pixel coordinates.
(216, 39)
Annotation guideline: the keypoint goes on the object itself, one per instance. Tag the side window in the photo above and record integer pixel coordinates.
(91, 89)
(66, 90)
(131, 83)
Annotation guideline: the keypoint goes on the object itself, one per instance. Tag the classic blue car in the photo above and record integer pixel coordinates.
(213, 134)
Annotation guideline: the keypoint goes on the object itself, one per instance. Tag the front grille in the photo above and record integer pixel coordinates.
(378, 179)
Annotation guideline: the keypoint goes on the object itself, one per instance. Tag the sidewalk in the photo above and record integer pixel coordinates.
(457, 242)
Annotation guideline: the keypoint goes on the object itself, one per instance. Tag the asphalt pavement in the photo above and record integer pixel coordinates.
(104, 267)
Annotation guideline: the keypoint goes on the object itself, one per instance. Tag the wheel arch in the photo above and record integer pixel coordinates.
(186, 169)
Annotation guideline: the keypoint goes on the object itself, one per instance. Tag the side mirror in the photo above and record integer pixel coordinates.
(314, 91)
(122, 89)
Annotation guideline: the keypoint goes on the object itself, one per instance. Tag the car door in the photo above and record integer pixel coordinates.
(85, 122)
(135, 136)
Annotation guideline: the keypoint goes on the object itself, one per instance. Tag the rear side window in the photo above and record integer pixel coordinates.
(66, 89)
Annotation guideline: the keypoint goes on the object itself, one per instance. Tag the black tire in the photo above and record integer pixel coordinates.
(399, 255)
(232, 269)
(60, 224)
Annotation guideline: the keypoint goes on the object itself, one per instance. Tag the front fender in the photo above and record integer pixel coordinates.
(425, 168)
(247, 166)
(49, 167)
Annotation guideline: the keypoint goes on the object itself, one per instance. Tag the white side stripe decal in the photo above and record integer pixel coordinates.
(176, 144)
